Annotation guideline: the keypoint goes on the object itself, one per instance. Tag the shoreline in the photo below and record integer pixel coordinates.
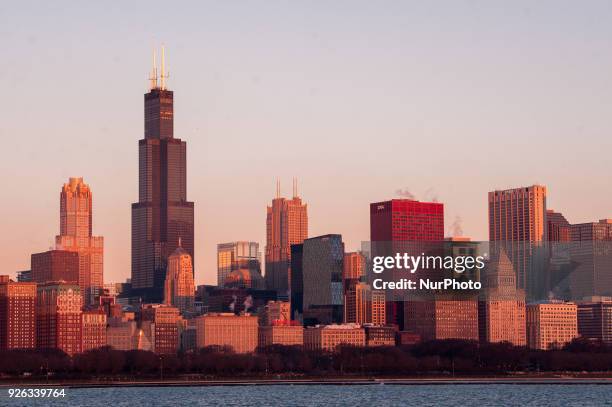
(321, 382)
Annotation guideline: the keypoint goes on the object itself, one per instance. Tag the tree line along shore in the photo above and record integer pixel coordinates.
(440, 358)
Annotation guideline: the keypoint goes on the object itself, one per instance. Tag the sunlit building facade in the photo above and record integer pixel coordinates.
(17, 314)
(58, 317)
(179, 288)
(93, 329)
(163, 328)
(281, 334)
(286, 224)
(551, 325)
(501, 306)
(362, 305)
(330, 337)
(76, 215)
(518, 223)
(240, 332)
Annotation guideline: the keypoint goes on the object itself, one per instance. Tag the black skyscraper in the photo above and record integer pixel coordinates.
(162, 214)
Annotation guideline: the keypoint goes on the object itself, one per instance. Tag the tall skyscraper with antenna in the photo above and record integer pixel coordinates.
(286, 224)
(162, 215)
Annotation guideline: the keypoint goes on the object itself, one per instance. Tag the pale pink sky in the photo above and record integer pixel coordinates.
(356, 99)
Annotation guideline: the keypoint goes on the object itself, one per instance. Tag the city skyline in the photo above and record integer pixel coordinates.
(100, 135)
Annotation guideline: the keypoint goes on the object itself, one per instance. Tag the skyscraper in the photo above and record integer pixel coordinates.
(17, 316)
(353, 269)
(236, 256)
(76, 214)
(286, 224)
(501, 307)
(405, 220)
(297, 281)
(162, 214)
(405, 225)
(517, 220)
(322, 261)
(179, 289)
(362, 305)
(591, 255)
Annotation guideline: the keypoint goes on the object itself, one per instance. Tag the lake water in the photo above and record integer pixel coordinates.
(332, 395)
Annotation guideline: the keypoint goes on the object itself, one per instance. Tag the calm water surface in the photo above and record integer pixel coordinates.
(332, 395)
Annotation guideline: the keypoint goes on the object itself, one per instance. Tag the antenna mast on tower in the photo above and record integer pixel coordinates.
(163, 75)
(153, 77)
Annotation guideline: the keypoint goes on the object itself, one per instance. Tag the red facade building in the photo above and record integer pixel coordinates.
(404, 225)
(58, 317)
(17, 317)
(55, 265)
(94, 329)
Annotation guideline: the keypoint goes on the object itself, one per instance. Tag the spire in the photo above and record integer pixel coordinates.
(163, 75)
(277, 188)
(153, 77)
(295, 188)
(180, 245)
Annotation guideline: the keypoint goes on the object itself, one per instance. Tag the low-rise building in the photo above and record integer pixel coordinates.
(595, 319)
(380, 335)
(227, 329)
(551, 324)
(329, 337)
(281, 334)
(94, 329)
(122, 334)
(165, 327)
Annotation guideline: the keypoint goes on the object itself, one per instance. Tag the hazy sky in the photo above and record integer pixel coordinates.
(356, 99)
